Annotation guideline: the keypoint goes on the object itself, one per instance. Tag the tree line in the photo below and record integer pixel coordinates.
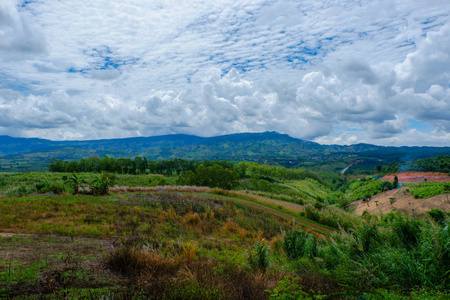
(211, 173)
(440, 164)
(138, 165)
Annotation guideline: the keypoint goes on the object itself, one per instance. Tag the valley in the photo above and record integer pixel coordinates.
(137, 228)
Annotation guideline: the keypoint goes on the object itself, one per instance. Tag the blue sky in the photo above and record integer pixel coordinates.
(339, 72)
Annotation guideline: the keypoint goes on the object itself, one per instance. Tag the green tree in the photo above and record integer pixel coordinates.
(212, 176)
(395, 184)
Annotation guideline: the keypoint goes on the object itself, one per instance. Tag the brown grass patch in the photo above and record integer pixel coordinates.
(231, 227)
(417, 176)
(159, 276)
(166, 188)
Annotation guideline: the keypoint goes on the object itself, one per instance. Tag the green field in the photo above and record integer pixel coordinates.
(278, 234)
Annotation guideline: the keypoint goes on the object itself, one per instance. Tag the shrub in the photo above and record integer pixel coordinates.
(288, 289)
(368, 236)
(407, 230)
(135, 261)
(298, 244)
(438, 215)
(259, 256)
(43, 187)
(101, 184)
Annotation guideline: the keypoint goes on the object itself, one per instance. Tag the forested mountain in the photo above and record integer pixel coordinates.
(266, 147)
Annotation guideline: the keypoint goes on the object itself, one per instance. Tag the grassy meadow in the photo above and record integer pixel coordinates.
(276, 234)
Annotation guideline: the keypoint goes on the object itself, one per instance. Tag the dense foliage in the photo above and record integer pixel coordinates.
(212, 176)
(427, 190)
(399, 251)
(432, 164)
(134, 166)
(440, 164)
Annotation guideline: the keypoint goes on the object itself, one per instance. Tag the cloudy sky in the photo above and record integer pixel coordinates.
(336, 71)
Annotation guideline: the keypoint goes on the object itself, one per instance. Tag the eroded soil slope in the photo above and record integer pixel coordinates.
(403, 201)
(417, 177)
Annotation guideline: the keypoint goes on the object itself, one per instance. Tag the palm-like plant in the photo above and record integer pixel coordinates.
(101, 184)
(76, 183)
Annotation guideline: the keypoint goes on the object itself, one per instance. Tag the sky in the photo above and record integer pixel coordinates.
(333, 72)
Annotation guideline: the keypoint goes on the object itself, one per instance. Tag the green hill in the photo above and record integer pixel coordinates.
(22, 154)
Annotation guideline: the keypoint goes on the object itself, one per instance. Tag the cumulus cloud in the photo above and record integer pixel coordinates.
(429, 64)
(16, 32)
(335, 72)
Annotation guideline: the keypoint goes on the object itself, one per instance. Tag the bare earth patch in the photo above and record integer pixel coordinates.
(417, 177)
(403, 202)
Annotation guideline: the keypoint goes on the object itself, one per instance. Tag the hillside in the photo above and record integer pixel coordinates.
(272, 238)
(404, 202)
(23, 154)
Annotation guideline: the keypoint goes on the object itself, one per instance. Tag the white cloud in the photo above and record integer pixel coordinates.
(16, 32)
(348, 72)
(106, 74)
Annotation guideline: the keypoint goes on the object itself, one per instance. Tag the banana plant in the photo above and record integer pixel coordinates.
(76, 183)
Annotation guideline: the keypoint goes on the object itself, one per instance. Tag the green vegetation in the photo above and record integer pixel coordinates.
(250, 232)
(425, 190)
(134, 166)
(311, 188)
(18, 154)
(350, 190)
(440, 164)
(171, 245)
(212, 176)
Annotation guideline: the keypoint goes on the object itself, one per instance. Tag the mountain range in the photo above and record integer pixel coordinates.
(267, 147)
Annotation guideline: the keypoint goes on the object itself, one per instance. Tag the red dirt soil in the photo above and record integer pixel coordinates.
(417, 177)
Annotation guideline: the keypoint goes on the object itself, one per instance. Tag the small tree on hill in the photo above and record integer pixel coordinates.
(392, 200)
(395, 184)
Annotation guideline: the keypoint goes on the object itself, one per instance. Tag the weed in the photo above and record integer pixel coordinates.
(258, 257)
(288, 289)
(135, 261)
(189, 251)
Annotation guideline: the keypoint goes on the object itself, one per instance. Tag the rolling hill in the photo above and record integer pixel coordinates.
(24, 154)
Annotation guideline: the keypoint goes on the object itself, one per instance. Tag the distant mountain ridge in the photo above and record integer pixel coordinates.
(264, 147)
(11, 145)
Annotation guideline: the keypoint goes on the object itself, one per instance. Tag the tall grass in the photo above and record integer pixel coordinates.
(401, 252)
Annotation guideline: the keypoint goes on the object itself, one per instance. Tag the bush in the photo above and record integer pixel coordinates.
(136, 261)
(438, 215)
(259, 256)
(298, 244)
(407, 230)
(288, 289)
(43, 187)
(101, 184)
